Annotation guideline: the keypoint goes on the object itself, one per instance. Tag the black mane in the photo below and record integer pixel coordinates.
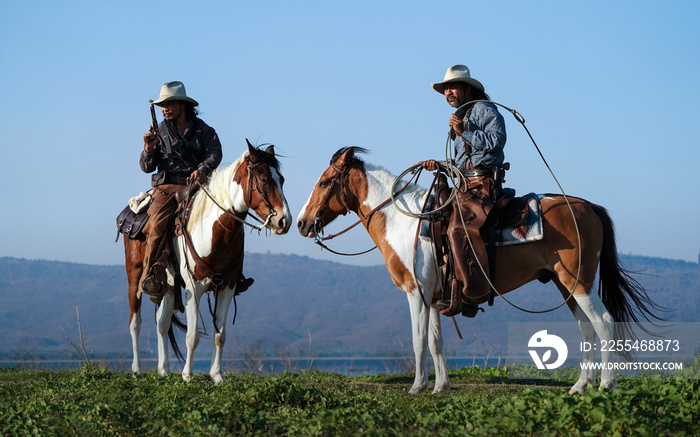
(264, 157)
(356, 149)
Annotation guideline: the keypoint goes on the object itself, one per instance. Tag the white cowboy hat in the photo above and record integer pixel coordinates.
(457, 73)
(173, 91)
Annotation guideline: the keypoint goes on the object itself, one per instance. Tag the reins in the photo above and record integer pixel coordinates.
(216, 277)
(229, 213)
(340, 181)
(455, 173)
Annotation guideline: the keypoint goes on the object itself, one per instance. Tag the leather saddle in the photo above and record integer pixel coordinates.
(508, 211)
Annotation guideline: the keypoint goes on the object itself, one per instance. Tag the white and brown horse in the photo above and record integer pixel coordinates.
(351, 184)
(215, 228)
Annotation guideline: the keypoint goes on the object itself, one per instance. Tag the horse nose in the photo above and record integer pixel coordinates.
(283, 223)
(301, 225)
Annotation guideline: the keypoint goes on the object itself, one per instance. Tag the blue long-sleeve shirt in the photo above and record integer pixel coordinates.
(485, 133)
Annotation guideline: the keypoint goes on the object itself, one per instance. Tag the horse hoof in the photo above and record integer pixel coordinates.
(217, 378)
(441, 389)
(417, 390)
(579, 387)
(607, 385)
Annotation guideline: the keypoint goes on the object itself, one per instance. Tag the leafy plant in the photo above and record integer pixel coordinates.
(482, 402)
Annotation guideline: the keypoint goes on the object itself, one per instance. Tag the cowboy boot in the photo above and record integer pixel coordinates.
(152, 283)
(477, 207)
(467, 270)
(471, 210)
(154, 280)
(453, 306)
(243, 283)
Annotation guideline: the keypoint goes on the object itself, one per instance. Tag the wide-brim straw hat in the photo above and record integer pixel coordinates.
(173, 91)
(457, 73)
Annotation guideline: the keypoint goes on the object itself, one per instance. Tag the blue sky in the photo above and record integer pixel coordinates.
(608, 89)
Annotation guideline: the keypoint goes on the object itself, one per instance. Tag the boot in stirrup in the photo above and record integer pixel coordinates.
(243, 283)
(152, 284)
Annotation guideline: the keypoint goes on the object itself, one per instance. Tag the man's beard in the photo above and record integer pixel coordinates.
(457, 103)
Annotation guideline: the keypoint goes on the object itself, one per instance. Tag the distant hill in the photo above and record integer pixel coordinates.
(341, 310)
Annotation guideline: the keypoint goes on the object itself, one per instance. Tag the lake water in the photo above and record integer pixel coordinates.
(350, 366)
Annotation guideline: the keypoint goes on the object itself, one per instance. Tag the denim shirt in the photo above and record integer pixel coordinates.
(485, 133)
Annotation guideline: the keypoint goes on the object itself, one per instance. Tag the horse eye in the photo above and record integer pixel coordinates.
(324, 184)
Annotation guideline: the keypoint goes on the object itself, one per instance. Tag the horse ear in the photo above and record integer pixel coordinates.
(271, 149)
(346, 157)
(251, 149)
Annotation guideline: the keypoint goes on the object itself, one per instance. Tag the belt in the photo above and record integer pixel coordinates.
(475, 172)
(175, 179)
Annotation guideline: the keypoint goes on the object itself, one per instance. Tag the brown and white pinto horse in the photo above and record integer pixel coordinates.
(252, 182)
(351, 184)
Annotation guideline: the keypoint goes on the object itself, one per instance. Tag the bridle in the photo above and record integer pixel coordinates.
(217, 277)
(341, 179)
(253, 183)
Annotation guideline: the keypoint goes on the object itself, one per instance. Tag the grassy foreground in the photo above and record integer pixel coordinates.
(482, 402)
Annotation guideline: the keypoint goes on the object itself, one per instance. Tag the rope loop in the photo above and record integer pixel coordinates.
(457, 178)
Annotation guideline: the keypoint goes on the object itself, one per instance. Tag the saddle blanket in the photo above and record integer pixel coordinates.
(526, 231)
(529, 230)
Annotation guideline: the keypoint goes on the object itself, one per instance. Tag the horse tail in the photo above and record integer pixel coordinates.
(175, 320)
(623, 296)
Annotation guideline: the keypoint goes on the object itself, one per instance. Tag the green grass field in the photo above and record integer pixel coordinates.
(482, 402)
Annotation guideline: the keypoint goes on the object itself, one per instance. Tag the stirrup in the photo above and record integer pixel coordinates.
(150, 286)
(443, 304)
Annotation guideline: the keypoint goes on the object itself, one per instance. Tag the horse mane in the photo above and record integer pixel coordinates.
(218, 186)
(356, 149)
(267, 158)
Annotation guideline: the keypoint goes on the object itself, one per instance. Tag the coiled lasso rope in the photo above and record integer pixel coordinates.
(457, 178)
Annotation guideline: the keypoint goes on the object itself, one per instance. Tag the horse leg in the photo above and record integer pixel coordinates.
(134, 267)
(164, 315)
(593, 319)
(223, 302)
(192, 298)
(419, 323)
(442, 380)
(135, 330)
(587, 376)
(603, 324)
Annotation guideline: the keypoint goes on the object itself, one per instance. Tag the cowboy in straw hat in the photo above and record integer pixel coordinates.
(187, 148)
(173, 91)
(478, 132)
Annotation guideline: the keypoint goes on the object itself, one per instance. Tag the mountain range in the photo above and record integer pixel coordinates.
(296, 304)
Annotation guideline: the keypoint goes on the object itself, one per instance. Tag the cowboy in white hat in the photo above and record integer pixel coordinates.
(478, 132)
(187, 149)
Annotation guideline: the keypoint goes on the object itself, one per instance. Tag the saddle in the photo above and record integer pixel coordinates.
(133, 218)
(509, 216)
(508, 211)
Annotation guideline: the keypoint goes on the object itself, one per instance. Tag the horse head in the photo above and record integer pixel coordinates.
(335, 193)
(261, 182)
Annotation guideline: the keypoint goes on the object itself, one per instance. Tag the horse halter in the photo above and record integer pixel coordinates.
(254, 183)
(341, 180)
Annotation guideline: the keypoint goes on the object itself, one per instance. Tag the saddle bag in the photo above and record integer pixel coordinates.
(130, 223)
